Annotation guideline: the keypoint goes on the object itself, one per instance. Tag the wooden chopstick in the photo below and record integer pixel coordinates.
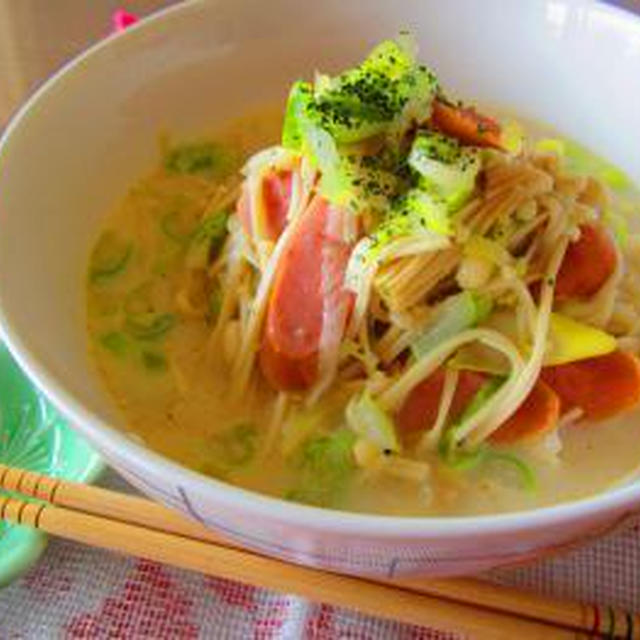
(364, 596)
(102, 502)
(138, 526)
(143, 512)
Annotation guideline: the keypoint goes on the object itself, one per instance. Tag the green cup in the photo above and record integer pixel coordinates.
(34, 436)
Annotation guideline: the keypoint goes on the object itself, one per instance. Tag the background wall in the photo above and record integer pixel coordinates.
(37, 36)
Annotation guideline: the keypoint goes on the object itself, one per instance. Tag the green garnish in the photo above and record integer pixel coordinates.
(452, 454)
(240, 443)
(374, 180)
(417, 211)
(445, 167)
(109, 257)
(618, 223)
(232, 449)
(583, 161)
(149, 326)
(369, 421)
(115, 341)
(525, 473)
(386, 95)
(120, 345)
(198, 158)
(302, 132)
(454, 315)
(299, 427)
(325, 464)
(465, 460)
(481, 397)
(365, 101)
(207, 239)
(300, 97)
(215, 303)
(154, 360)
(459, 459)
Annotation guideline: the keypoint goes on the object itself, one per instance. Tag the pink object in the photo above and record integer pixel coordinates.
(122, 19)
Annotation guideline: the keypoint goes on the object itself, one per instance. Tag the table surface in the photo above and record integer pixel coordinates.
(79, 592)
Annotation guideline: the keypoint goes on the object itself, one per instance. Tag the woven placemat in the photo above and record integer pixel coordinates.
(81, 592)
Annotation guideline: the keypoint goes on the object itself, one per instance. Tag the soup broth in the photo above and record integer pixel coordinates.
(171, 379)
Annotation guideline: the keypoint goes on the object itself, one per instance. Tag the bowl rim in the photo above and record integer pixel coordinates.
(114, 442)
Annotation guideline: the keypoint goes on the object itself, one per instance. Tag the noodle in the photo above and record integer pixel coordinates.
(334, 315)
(512, 394)
(278, 417)
(405, 283)
(386, 296)
(570, 417)
(431, 438)
(236, 269)
(395, 340)
(392, 398)
(244, 363)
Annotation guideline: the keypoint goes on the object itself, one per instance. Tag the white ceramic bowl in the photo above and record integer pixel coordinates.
(91, 130)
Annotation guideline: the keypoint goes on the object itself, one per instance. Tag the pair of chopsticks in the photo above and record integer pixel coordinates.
(137, 526)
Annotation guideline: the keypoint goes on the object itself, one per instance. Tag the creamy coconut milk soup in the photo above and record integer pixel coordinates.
(376, 298)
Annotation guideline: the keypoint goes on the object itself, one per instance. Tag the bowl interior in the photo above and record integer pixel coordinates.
(72, 153)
